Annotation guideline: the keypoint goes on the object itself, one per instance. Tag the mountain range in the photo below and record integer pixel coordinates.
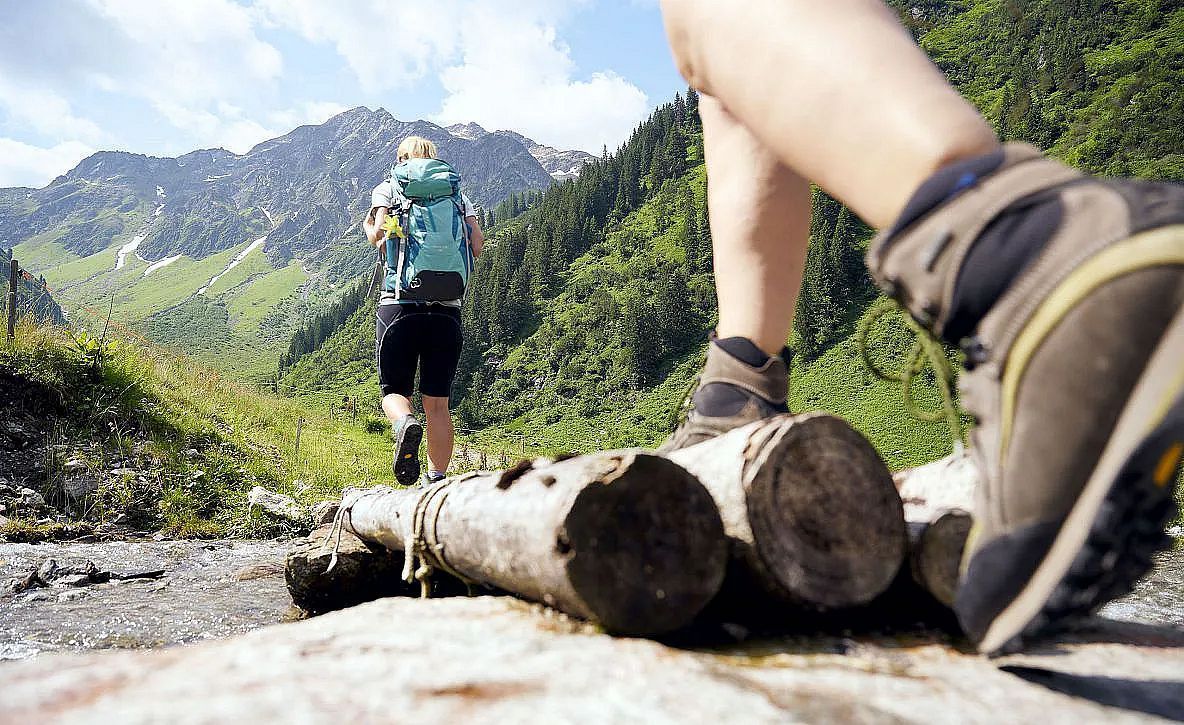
(562, 165)
(246, 243)
(590, 312)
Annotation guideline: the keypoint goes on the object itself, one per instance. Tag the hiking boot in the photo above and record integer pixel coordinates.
(407, 433)
(430, 477)
(740, 384)
(1066, 294)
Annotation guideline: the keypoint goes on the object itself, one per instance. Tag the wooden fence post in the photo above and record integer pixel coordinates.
(13, 277)
(299, 428)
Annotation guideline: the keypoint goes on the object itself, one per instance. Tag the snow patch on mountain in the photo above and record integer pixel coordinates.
(561, 165)
(238, 259)
(121, 256)
(162, 264)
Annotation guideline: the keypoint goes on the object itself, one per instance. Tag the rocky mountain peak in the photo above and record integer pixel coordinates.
(470, 131)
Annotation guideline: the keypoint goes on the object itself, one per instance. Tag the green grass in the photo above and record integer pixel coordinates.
(262, 301)
(255, 301)
(840, 383)
(204, 439)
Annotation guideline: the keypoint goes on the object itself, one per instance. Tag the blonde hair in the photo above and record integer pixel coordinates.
(416, 147)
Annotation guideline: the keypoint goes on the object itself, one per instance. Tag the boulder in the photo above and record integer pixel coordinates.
(501, 660)
(277, 504)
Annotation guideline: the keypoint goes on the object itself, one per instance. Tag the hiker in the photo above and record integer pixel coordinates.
(1065, 292)
(427, 235)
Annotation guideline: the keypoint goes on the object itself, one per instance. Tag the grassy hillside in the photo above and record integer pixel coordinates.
(165, 442)
(239, 322)
(589, 313)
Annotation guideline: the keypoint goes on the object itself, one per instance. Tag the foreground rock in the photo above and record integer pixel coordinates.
(497, 660)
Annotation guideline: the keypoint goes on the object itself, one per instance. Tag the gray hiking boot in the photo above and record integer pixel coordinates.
(732, 393)
(407, 433)
(1067, 295)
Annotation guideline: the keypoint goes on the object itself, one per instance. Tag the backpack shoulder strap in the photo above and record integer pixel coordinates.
(399, 199)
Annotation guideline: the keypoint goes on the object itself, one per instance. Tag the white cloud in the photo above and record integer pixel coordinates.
(306, 113)
(184, 58)
(24, 165)
(501, 62)
(208, 68)
(191, 52)
(45, 113)
(521, 77)
(386, 44)
(234, 131)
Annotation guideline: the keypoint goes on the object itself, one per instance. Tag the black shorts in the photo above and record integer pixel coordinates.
(417, 335)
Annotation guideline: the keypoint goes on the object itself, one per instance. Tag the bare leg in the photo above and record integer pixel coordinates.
(395, 406)
(440, 433)
(760, 222)
(837, 90)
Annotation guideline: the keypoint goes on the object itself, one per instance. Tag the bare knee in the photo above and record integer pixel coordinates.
(681, 32)
(435, 408)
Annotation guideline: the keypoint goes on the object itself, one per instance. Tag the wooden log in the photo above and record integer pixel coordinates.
(363, 572)
(937, 504)
(626, 539)
(809, 506)
(935, 553)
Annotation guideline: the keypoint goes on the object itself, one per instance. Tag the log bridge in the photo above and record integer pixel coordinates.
(639, 542)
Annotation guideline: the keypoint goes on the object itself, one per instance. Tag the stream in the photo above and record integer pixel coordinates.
(209, 589)
(215, 589)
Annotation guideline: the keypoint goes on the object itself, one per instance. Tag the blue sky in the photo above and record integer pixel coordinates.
(164, 77)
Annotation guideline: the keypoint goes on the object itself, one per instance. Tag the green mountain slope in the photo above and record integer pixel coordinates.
(260, 239)
(132, 435)
(588, 315)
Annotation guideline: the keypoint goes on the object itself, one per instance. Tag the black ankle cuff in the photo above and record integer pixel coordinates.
(747, 352)
(720, 400)
(946, 182)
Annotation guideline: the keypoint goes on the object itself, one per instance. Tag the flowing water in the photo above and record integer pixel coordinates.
(219, 588)
(209, 589)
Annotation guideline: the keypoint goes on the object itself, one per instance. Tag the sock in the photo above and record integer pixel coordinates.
(720, 399)
(744, 350)
(946, 183)
(1002, 251)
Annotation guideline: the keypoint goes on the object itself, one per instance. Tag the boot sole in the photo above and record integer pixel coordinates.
(406, 458)
(1107, 542)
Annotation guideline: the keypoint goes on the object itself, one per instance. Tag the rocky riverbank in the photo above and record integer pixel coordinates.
(498, 659)
(492, 658)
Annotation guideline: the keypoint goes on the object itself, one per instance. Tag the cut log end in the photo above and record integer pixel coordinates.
(937, 554)
(647, 550)
(363, 572)
(828, 523)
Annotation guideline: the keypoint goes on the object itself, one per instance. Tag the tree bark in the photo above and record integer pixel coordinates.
(626, 539)
(809, 506)
(937, 504)
(363, 572)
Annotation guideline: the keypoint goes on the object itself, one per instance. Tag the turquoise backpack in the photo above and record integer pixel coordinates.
(432, 261)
